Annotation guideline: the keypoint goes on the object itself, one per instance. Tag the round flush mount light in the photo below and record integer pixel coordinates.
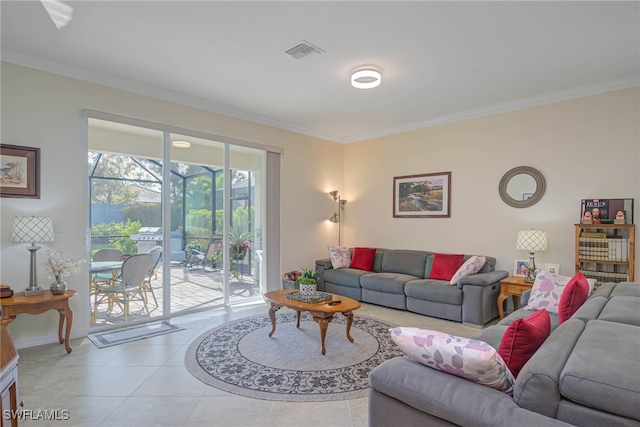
(367, 78)
(181, 144)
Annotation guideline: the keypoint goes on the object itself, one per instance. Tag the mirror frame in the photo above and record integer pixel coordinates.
(541, 186)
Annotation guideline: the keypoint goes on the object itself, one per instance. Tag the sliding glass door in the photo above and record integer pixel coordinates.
(196, 200)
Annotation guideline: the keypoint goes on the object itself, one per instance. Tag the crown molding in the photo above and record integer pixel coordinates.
(504, 107)
(103, 79)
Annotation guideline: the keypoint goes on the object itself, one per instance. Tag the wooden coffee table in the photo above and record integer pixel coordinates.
(322, 312)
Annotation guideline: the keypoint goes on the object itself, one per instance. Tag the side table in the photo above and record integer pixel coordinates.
(512, 286)
(38, 304)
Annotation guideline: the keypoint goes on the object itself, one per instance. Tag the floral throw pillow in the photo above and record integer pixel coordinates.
(467, 358)
(471, 266)
(340, 256)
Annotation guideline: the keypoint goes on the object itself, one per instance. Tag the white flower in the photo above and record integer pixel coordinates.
(57, 265)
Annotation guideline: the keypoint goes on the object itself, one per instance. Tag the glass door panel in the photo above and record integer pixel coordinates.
(125, 185)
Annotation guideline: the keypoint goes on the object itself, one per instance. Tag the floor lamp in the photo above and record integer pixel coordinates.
(337, 216)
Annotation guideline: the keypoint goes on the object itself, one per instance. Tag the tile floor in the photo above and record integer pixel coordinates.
(145, 383)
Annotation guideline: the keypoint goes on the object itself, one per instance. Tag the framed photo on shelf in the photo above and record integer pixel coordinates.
(520, 267)
(20, 171)
(422, 196)
(552, 268)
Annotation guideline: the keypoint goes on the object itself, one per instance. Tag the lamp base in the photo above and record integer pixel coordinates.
(33, 290)
(530, 276)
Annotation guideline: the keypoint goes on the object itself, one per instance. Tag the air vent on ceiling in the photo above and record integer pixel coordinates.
(303, 49)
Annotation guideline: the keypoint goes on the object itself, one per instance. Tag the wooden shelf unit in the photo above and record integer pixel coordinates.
(604, 264)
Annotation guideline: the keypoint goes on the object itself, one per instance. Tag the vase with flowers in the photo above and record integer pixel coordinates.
(58, 266)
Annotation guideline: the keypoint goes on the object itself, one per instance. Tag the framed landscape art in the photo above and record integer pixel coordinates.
(422, 196)
(19, 171)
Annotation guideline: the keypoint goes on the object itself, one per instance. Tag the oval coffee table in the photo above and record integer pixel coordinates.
(322, 312)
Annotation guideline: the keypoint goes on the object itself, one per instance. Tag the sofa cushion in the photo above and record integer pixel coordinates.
(467, 358)
(392, 283)
(434, 290)
(470, 266)
(573, 296)
(523, 338)
(445, 265)
(601, 372)
(363, 258)
(405, 262)
(345, 276)
(621, 309)
(626, 289)
(340, 256)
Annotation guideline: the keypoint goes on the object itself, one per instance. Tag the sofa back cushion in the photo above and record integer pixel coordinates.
(405, 262)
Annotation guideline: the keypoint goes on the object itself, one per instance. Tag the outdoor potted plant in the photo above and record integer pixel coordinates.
(308, 281)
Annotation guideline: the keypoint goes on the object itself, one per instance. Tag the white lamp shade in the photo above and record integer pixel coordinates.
(31, 229)
(532, 240)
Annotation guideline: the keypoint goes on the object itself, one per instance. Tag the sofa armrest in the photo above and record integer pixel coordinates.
(524, 298)
(483, 279)
(323, 264)
(447, 397)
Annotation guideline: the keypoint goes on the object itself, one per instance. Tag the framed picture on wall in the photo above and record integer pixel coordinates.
(422, 196)
(19, 171)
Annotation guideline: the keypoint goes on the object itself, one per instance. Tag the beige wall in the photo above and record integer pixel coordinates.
(585, 148)
(45, 110)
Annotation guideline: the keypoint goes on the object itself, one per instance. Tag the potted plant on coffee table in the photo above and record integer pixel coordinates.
(308, 281)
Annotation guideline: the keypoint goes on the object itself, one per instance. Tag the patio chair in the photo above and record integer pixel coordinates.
(127, 286)
(108, 254)
(156, 254)
(197, 258)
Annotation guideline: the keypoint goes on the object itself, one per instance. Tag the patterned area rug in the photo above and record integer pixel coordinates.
(239, 357)
(121, 336)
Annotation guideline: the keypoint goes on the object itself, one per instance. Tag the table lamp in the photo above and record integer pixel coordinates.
(32, 229)
(531, 241)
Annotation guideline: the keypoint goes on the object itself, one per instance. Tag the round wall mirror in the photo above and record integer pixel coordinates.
(522, 187)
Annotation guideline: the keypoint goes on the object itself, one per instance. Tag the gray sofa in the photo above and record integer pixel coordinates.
(399, 279)
(587, 373)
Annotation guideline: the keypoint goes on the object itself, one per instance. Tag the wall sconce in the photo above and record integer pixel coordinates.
(337, 216)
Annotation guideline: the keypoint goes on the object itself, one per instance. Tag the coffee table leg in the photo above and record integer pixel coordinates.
(349, 322)
(272, 316)
(324, 323)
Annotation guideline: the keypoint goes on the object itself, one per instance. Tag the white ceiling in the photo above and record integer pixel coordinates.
(440, 61)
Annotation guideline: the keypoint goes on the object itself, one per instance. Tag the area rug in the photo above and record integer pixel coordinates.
(239, 357)
(121, 336)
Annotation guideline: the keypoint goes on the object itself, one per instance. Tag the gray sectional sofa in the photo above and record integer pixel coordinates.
(587, 373)
(400, 279)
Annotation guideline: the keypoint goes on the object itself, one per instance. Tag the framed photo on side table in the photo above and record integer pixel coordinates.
(422, 196)
(520, 267)
(552, 268)
(19, 171)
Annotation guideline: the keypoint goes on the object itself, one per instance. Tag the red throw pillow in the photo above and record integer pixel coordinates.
(363, 258)
(523, 338)
(573, 296)
(445, 266)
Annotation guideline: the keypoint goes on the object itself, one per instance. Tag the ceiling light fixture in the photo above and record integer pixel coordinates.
(367, 78)
(181, 144)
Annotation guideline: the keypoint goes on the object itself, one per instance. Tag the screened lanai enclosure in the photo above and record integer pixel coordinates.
(200, 220)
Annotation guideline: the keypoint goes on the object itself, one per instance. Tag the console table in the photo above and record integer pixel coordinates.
(38, 304)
